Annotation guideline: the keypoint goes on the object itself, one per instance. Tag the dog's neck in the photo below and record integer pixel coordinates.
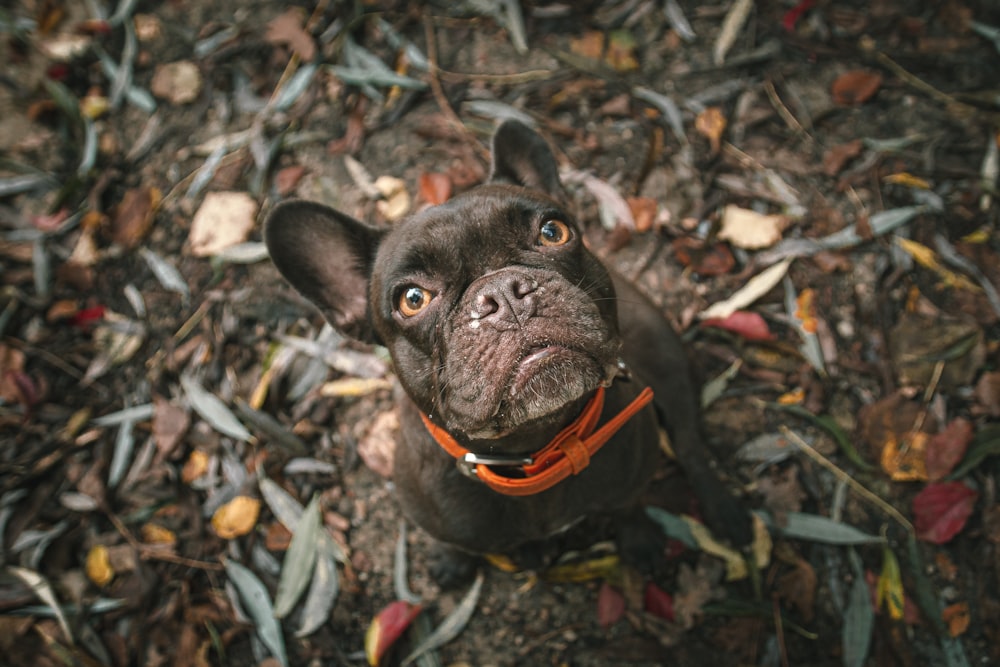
(568, 453)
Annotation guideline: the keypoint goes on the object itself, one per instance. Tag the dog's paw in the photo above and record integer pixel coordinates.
(730, 520)
(452, 568)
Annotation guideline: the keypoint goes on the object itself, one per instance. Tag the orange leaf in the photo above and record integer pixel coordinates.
(806, 309)
(644, 210)
(905, 464)
(98, 565)
(435, 187)
(236, 518)
(590, 45)
(133, 216)
(956, 617)
(195, 466)
(710, 123)
(856, 87)
(155, 534)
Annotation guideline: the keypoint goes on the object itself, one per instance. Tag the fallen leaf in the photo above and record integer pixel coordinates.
(224, 219)
(11, 365)
(889, 591)
(796, 396)
(956, 617)
(195, 466)
(98, 565)
(905, 460)
(287, 29)
(714, 260)
(353, 387)
(297, 567)
(883, 425)
(941, 509)
(387, 627)
(756, 287)
(711, 123)
(590, 45)
(748, 325)
(855, 87)
(658, 602)
(947, 447)
(805, 310)
(435, 187)
(735, 19)
(621, 51)
(236, 518)
(378, 447)
(751, 230)
(153, 533)
(918, 343)
(781, 491)
(907, 180)
(286, 180)
(452, 625)
(132, 218)
(838, 156)
(987, 393)
(610, 605)
(170, 423)
(600, 567)
(644, 210)
(178, 82)
(929, 259)
(798, 589)
(396, 200)
(255, 599)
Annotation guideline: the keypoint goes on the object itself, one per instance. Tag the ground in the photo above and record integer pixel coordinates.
(880, 351)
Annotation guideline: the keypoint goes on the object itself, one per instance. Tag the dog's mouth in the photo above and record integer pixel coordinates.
(538, 363)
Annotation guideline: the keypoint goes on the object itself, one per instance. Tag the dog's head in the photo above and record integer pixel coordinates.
(496, 315)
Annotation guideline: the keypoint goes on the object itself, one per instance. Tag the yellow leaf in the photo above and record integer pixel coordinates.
(890, 586)
(502, 563)
(751, 230)
(736, 567)
(588, 570)
(354, 387)
(236, 518)
(981, 235)
(905, 463)
(156, 534)
(928, 258)
(99, 565)
(907, 180)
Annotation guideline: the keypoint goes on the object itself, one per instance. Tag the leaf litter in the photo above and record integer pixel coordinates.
(100, 227)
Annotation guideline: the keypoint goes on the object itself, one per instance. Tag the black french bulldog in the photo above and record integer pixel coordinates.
(525, 406)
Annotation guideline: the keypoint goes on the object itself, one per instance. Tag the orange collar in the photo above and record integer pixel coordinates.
(568, 453)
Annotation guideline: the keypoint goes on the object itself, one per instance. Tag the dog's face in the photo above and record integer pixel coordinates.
(498, 319)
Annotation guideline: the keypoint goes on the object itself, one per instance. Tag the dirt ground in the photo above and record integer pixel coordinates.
(879, 349)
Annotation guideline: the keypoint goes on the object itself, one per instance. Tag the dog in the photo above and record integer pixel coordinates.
(535, 380)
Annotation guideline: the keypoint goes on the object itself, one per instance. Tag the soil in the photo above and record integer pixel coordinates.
(71, 253)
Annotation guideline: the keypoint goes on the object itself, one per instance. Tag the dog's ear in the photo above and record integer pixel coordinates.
(521, 157)
(327, 256)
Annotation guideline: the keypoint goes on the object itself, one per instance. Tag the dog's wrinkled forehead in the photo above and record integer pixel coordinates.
(481, 230)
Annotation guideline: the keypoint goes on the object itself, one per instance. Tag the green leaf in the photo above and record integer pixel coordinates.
(297, 569)
(452, 625)
(322, 593)
(258, 605)
(815, 528)
(674, 526)
(859, 619)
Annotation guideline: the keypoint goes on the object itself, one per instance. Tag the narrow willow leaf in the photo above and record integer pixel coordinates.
(137, 414)
(322, 593)
(754, 288)
(452, 625)
(257, 603)
(815, 528)
(715, 387)
(296, 570)
(674, 526)
(284, 507)
(859, 620)
(830, 425)
(213, 410)
(43, 590)
(399, 569)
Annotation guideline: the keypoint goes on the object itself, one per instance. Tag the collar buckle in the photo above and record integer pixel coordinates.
(468, 462)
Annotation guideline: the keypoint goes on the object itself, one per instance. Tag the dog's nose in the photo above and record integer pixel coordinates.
(505, 299)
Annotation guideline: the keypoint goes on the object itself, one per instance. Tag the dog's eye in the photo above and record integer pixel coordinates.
(413, 300)
(553, 233)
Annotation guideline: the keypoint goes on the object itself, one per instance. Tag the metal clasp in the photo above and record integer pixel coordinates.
(467, 464)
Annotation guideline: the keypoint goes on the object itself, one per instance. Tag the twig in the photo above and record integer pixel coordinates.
(499, 79)
(921, 85)
(147, 552)
(439, 95)
(779, 630)
(921, 417)
(790, 120)
(807, 449)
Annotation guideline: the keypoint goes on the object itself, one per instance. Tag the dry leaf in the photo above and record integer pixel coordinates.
(286, 180)
(714, 260)
(855, 87)
(195, 466)
(378, 448)
(905, 461)
(644, 210)
(835, 158)
(236, 518)
(178, 83)
(956, 617)
(751, 230)
(805, 310)
(287, 29)
(907, 180)
(223, 220)
(710, 123)
(132, 218)
(947, 447)
(155, 534)
(98, 565)
(396, 202)
(170, 423)
(798, 589)
(987, 393)
(941, 509)
(590, 45)
(435, 188)
(621, 51)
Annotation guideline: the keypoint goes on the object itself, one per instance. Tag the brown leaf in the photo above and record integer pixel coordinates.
(988, 393)
(590, 45)
(714, 260)
(621, 51)
(288, 178)
(178, 83)
(11, 366)
(132, 218)
(170, 423)
(886, 427)
(956, 617)
(644, 210)
(798, 589)
(711, 123)
(856, 87)
(782, 491)
(236, 518)
(287, 29)
(610, 605)
(838, 156)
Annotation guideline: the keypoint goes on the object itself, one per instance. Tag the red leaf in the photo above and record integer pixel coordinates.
(610, 605)
(941, 510)
(946, 449)
(435, 187)
(711, 261)
(86, 317)
(658, 602)
(387, 627)
(856, 87)
(793, 15)
(749, 325)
